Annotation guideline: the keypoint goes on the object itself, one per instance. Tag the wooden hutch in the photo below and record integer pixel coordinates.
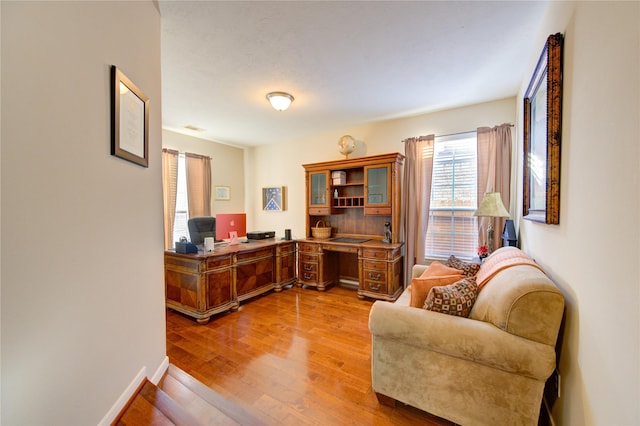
(356, 198)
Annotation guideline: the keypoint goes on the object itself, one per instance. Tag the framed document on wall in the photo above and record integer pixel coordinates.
(223, 193)
(129, 120)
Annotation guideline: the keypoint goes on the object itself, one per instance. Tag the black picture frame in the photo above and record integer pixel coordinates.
(542, 136)
(129, 120)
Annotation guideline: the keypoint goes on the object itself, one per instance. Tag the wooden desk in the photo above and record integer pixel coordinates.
(204, 284)
(379, 266)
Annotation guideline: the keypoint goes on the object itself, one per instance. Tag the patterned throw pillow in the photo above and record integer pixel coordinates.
(468, 268)
(435, 274)
(455, 299)
(420, 287)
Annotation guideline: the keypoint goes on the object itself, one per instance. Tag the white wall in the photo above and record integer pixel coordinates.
(227, 167)
(82, 251)
(281, 164)
(593, 253)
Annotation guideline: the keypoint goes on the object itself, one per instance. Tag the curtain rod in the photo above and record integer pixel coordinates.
(460, 133)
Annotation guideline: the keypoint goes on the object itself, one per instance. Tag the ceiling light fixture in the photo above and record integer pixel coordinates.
(280, 101)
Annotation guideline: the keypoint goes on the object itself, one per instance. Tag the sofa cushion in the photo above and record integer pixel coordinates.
(468, 268)
(436, 274)
(454, 299)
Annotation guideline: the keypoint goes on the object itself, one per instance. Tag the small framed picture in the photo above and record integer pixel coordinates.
(273, 199)
(129, 120)
(222, 193)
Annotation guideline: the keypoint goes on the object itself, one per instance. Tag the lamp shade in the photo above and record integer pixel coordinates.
(280, 101)
(491, 206)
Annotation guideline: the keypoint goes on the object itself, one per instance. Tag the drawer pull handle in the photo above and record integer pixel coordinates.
(375, 278)
(307, 276)
(307, 267)
(374, 287)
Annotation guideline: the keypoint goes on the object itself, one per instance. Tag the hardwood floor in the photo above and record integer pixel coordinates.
(296, 357)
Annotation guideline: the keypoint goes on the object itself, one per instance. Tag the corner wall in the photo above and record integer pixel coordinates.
(82, 252)
(227, 167)
(593, 254)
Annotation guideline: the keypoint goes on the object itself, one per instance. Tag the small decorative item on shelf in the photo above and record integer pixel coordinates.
(346, 145)
(483, 251)
(387, 233)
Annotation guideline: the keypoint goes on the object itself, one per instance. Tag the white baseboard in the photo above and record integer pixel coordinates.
(124, 398)
(130, 390)
(164, 365)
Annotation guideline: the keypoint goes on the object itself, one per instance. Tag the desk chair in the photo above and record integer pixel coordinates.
(201, 227)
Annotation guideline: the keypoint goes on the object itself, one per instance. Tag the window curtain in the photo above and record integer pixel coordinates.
(417, 198)
(198, 168)
(494, 174)
(169, 190)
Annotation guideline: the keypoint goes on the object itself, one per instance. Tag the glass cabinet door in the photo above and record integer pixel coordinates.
(377, 183)
(318, 187)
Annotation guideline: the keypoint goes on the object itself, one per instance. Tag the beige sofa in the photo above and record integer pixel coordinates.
(488, 369)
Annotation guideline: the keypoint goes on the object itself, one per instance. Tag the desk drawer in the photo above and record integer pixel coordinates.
(378, 266)
(318, 211)
(308, 267)
(375, 286)
(218, 262)
(308, 248)
(375, 254)
(253, 255)
(386, 211)
(374, 276)
(308, 258)
(309, 277)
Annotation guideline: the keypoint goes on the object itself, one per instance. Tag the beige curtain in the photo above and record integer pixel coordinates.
(494, 174)
(169, 190)
(417, 198)
(198, 168)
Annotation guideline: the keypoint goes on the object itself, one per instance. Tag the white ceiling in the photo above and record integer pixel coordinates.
(346, 62)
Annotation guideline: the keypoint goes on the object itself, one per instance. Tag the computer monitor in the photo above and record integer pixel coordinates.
(230, 222)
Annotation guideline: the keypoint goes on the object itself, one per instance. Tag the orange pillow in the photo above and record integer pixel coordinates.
(437, 269)
(436, 274)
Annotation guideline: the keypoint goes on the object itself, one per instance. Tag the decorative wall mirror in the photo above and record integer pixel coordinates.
(542, 133)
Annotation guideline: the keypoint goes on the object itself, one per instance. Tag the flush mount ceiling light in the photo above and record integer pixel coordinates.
(280, 101)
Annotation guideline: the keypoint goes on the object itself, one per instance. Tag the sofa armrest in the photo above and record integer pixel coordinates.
(417, 270)
(463, 338)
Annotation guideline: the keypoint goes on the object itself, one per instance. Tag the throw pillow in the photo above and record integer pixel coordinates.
(436, 274)
(470, 269)
(437, 269)
(455, 299)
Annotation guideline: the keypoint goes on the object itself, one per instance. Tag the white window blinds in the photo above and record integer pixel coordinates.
(452, 227)
(180, 228)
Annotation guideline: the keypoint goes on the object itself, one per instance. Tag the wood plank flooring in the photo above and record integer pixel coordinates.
(298, 357)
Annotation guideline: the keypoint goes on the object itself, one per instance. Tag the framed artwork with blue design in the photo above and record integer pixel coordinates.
(273, 199)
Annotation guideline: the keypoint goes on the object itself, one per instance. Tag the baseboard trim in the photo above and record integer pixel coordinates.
(157, 376)
(124, 398)
(131, 389)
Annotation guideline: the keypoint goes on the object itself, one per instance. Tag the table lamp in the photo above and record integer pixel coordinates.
(491, 206)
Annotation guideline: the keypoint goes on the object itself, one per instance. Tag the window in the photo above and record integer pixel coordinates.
(452, 228)
(180, 228)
